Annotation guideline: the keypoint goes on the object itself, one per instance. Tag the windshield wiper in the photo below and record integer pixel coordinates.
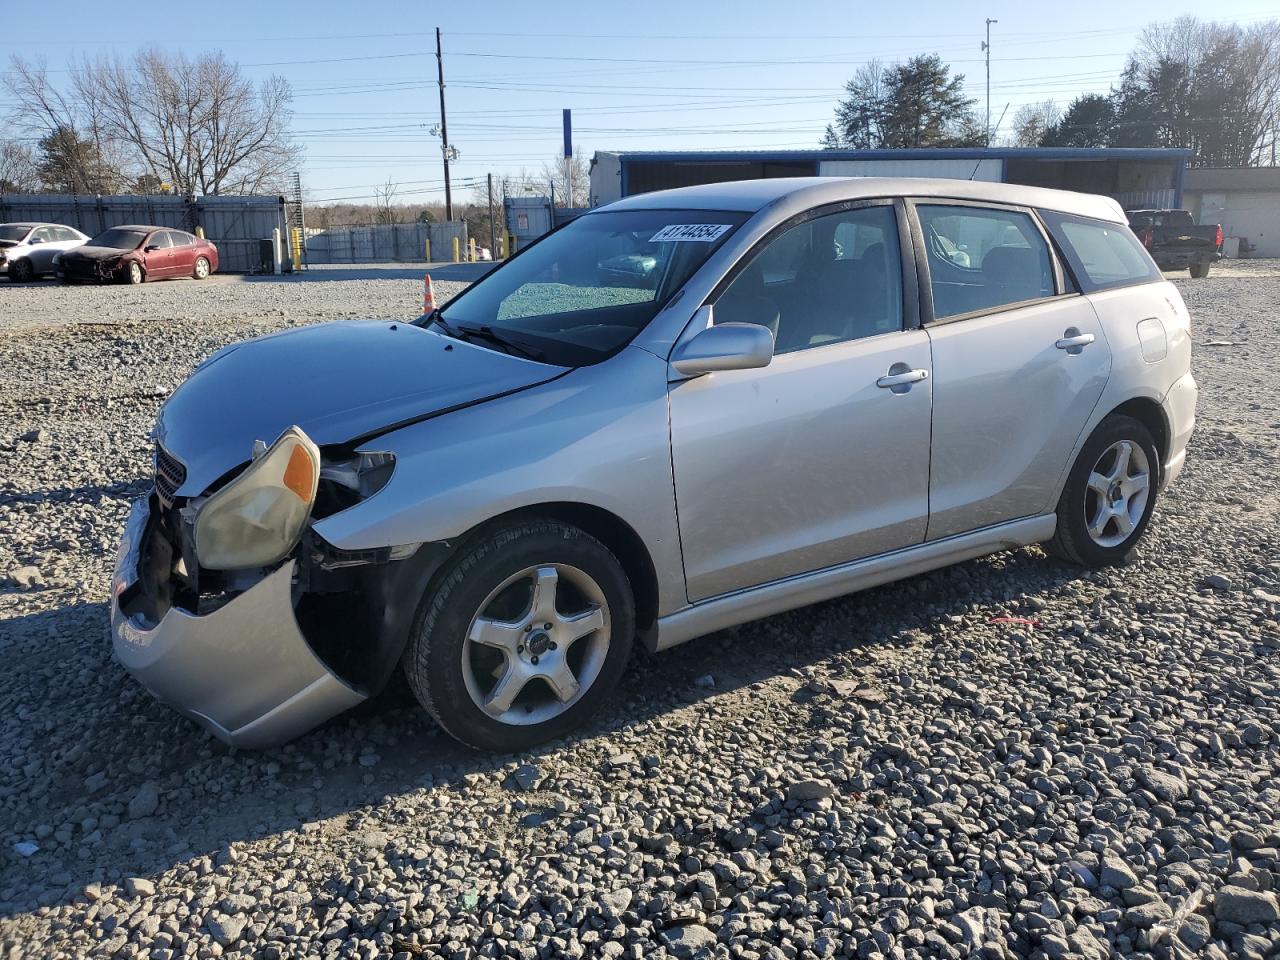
(436, 317)
(486, 332)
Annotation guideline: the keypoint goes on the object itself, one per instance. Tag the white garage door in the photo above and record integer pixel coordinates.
(988, 170)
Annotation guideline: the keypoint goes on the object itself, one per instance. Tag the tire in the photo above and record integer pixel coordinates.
(1200, 270)
(489, 590)
(21, 271)
(201, 271)
(1108, 542)
(133, 273)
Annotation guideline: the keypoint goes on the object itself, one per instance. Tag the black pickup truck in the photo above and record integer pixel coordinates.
(1175, 242)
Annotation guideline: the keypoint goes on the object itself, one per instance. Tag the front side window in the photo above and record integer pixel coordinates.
(585, 291)
(825, 280)
(43, 235)
(1101, 254)
(983, 259)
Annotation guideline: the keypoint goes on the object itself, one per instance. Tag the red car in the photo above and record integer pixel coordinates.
(133, 254)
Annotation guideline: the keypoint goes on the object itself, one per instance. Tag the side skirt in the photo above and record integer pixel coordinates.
(741, 606)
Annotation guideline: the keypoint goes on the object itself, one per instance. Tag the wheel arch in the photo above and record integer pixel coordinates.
(607, 527)
(1151, 415)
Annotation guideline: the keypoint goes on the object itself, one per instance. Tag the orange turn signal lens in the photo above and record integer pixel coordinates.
(299, 474)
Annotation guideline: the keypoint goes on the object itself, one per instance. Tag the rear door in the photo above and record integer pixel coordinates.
(183, 262)
(1019, 362)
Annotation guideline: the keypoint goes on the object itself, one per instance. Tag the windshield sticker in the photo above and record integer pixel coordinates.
(699, 232)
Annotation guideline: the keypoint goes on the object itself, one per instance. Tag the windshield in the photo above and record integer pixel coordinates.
(118, 239)
(585, 291)
(13, 231)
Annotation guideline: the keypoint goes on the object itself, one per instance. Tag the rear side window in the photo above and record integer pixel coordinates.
(1101, 254)
(179, 239)
(983, 259)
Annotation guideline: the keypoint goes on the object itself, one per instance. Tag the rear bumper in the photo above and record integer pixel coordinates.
(1167, 260)
(1180, 412)
(244, 671)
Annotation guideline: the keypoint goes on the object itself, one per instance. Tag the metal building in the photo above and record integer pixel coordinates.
(1134, 177)
(1246, 201)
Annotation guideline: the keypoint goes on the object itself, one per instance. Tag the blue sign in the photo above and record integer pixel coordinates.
(568, 134)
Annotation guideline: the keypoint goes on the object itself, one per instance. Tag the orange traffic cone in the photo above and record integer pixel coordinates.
(428, 295)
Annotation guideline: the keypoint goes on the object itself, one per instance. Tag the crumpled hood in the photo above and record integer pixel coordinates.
(94, 253)
(8, 243)
(337, 381)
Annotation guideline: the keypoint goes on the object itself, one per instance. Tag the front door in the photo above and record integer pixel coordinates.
(1019, 362)
(157, 253)
(822, 457)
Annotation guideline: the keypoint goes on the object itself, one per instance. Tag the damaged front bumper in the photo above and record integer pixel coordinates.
(244, 671)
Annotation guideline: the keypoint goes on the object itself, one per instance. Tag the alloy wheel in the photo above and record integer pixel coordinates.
(1117, 493)
(537, 644)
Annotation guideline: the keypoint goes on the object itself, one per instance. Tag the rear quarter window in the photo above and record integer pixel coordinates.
(1101, 254)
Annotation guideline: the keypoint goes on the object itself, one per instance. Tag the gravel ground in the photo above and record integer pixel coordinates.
(900, 773)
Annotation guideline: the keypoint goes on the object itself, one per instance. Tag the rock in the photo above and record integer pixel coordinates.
(1147, 915)
(145, 802)
(34, 436)
(226, 930)
(1217, 581)
(28, 577)
(616, 903)
(26, 848)
(705, 682)
(1166, 786)
(139, 887)
(804, 790)
(1238, 905)
(689, 941)
(527, 777)
(1117, 874)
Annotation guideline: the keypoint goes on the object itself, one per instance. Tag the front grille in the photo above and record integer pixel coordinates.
(170, 474)
(80, 269)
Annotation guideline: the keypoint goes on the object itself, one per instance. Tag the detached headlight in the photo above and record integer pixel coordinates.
(255, 520)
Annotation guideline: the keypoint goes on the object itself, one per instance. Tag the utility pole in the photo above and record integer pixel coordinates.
(444, 127)
(493, 237)
(985, 46)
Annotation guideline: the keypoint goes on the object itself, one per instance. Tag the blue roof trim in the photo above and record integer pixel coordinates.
(1169, 154)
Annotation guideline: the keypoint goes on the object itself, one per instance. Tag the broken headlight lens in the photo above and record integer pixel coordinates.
(255, 520)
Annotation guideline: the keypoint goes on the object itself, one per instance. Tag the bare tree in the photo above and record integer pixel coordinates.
(198, 125)
(73, 141)
(384, 197)
(570, 178)
(1032, 121)
(18, 173)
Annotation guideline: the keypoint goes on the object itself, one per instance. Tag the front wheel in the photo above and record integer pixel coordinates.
(21, 271)
(134, 274)
(202, 268)
(524, 637)
(1200, 270)
(1109, 495)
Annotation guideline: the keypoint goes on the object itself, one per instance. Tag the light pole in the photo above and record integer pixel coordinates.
(986, 46)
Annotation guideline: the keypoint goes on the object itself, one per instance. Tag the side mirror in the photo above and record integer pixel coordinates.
(151, 248)
(727, 346)
(35, 240)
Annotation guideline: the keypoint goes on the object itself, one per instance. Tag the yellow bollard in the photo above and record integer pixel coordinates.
(200, 232)
(295, 241)
(471, 249)
(456, 257)
(428, 241)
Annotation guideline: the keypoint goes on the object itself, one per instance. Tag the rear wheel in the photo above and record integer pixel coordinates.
(202, 268)
(21, 271)
(523, 638)
(1200, 270)
(1109, 495)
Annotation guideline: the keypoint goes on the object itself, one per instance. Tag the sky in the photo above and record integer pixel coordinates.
(657, 75)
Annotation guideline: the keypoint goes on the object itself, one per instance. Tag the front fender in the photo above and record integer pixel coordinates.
(598, 436)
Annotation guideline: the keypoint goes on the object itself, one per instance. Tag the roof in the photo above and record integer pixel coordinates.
(1226, 179)
(803, 193)
(920, 153)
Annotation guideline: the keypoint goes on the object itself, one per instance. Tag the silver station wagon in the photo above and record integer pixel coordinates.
(679, 412)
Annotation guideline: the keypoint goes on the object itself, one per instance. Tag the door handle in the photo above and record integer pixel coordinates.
(900, 378)
(1073, 341)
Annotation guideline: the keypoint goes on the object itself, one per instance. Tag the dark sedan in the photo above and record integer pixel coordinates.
(135, 254)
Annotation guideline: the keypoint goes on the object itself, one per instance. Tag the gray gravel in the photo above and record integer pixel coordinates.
(887, 775)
